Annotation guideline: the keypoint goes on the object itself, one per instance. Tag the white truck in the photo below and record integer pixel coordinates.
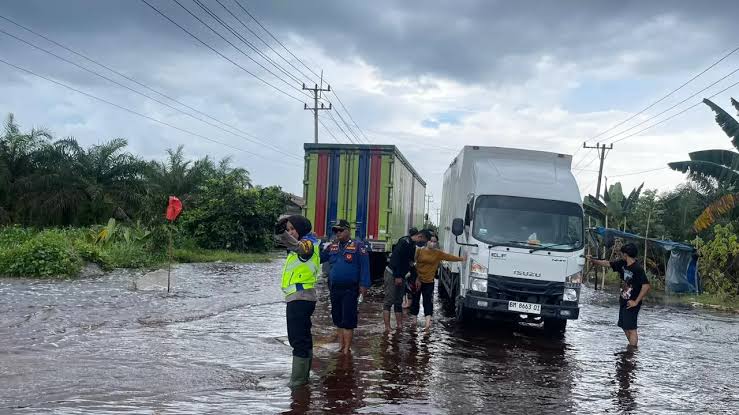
(517, 215)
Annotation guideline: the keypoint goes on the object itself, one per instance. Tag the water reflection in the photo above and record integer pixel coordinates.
(626, 363)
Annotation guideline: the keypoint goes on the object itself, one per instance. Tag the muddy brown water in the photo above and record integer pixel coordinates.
(97, 346)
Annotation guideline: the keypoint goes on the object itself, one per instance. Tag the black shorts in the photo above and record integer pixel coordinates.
(627, 317)
(344, 306)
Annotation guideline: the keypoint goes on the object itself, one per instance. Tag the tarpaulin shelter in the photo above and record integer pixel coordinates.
(681, 272)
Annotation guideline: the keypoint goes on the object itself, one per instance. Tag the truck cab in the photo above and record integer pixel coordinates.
(517, 216)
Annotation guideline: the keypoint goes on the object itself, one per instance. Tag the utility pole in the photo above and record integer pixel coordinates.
(429, 199)
(602, 148)
(316, 96)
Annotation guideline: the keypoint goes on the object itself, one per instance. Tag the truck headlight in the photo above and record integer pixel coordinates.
(570, 294)
(478, 277)
(575, 278)
(479, 284)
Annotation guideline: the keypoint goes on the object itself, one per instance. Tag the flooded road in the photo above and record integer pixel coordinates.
(217, 345)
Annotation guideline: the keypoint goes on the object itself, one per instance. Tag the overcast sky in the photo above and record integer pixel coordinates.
(428, 76)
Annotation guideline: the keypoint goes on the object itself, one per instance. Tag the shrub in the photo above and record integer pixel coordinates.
(717, 265)
(47, 254)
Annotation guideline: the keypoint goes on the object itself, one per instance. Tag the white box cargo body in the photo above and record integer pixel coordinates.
(523, 235)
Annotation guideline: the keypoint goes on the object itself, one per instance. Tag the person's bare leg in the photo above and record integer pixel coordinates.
(428, 323)
(340, 335)
(386, 319)
(348, 334)
(398, 320)
(633, 338)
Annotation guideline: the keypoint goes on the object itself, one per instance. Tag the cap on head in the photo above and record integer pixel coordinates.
(341, 225)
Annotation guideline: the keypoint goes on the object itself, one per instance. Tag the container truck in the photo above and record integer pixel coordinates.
(517, 215)
(372, 186)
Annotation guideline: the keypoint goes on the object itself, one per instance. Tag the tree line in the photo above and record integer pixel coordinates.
(48, 182)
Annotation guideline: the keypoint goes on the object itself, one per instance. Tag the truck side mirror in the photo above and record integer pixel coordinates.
(457, 227)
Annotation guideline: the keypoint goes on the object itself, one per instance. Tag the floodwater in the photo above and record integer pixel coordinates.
(217, 345)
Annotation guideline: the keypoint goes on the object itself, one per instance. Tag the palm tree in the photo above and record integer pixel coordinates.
(18, 158)
(716, 172)
(77, 186)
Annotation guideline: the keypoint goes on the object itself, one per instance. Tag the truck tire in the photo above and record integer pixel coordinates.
(443, 293)
(463, 314)
(555, 325)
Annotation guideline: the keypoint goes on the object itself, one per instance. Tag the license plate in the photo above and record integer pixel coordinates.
(524, 307)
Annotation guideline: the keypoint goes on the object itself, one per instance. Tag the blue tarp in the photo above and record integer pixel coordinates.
(664, 244)
(681, 272)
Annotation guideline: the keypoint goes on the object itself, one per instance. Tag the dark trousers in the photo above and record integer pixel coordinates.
(344, 311)
(298, 327)
(427, 291)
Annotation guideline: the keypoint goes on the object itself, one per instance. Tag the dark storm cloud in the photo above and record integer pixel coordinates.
(469, 41)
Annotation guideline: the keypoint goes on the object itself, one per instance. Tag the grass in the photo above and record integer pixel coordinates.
(720, 301)
(194, 255)
(62, 253)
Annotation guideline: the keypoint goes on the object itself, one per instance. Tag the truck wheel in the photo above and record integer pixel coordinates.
(443, 294)
(462, 313)
(555, 325)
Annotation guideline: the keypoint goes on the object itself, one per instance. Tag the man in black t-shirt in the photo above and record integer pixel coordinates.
(401, 264)
(634, 287)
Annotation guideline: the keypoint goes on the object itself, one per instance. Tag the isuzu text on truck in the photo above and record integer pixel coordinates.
(517, 215)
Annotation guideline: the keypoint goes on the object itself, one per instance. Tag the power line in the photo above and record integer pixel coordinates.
(228, 27)
(638, 172)
(676, 114)
(663, 98)
(668, 94)
(220, 54)
(276, 40)
(350, 117)
(143, 94)
(348, 127)
(329, 131)
(342, 130)
(228, 41)
(130, 110)
(122, 75)
(265, 43)
(584, 157)
(309, 69)
(674, 106)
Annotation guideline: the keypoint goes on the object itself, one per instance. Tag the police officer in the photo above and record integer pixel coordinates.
(349, 276)
(299, 277)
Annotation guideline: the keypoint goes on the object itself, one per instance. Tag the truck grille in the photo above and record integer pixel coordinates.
(519, 289)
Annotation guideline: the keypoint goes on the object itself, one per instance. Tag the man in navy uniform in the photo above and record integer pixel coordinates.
(349, 276)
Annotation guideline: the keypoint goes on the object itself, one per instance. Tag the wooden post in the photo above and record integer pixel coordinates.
(646, 237)
(603, 269)
(587, 263)
(169, 268)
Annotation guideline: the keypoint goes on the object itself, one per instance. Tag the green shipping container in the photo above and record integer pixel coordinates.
(371, 186)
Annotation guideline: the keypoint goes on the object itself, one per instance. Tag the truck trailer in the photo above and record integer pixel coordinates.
(517, 215)
(372, 186)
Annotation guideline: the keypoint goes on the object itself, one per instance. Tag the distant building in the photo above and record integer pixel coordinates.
(294, 205)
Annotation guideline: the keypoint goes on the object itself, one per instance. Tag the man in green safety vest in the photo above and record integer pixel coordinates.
(299, 277)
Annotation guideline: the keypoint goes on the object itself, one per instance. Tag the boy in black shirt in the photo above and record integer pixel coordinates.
(634, 288)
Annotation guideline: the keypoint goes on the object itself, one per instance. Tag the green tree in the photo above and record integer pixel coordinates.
(715, 172)
(78, 186)
(18, 158)
(229, 214)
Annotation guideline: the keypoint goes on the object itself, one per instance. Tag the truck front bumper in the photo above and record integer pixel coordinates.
(569, 311)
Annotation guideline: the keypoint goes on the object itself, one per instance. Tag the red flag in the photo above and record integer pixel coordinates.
(174, 208)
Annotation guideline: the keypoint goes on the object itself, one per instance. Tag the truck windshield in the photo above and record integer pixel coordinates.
(502, 219)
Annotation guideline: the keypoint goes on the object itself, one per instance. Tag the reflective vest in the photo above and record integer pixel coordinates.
(298, 275)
